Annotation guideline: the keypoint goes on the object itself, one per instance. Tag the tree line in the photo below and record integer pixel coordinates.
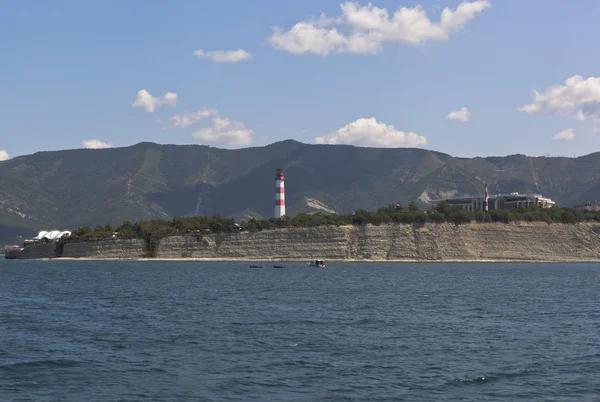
(153, 230)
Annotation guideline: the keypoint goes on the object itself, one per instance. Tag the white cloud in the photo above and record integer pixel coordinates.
(370, 132)
(151, 104)
(4, 155)
(189, 118)
(463, 115)
(596, 130)
(365, 29)
(565, 135)
(531, 109)
(579, 99)
(226, 133)
(96, 144)
(224, 56)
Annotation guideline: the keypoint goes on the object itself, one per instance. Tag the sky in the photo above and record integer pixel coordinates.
(468, 78)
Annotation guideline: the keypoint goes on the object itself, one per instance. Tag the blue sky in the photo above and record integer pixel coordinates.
(70, 72)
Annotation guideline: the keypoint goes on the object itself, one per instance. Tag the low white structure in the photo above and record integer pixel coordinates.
(54, 235)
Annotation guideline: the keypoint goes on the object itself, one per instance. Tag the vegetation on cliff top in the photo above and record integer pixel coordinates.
(153, 230)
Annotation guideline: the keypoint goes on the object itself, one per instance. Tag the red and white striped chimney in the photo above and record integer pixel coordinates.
(486, 197)
(279, 194)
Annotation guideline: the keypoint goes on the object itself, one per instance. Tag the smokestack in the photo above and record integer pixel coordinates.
(279, 194)
(486, 198)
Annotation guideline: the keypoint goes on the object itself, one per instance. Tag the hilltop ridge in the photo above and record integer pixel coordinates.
(68, 188)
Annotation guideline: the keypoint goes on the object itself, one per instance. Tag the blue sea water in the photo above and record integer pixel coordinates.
(174, 331)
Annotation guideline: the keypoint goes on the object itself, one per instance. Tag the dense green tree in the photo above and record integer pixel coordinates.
(80, 231)
(443, 208)
(252, 226)
(480, 216)
(436, 217)
(125, 226)
(360, 217)
(460, 216)
(153, 230)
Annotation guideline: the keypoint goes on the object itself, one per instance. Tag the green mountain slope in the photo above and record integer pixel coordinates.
(64, 189)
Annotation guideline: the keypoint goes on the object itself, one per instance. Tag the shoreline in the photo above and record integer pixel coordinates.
(397, 244)
(333, 260)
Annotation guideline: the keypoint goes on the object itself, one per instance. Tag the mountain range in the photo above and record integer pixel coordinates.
(65, 189)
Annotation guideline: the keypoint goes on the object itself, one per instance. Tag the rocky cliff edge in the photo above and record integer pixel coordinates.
(426, 242)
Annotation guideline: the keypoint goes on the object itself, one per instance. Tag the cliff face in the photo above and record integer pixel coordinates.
(34, 253)
(118, 249)
(514, 242)
(428, 242)
(297, 243)
(129, 249)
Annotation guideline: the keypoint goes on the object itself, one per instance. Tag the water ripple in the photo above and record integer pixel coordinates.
(109, 331)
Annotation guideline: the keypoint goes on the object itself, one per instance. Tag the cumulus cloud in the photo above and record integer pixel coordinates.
(224, 56)
(579, 99)
(365, 29)
(4, 155)
(96, 144)
(151, 104)
(565, 135)
(189, 118)
(463, 115)
(226, 133)
(371, 133)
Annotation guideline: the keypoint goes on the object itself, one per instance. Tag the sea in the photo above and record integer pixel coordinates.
(200, 331)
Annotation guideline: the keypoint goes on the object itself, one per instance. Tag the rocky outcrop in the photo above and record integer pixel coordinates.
(433, 242)
(126, 249)
(114, 249)
(425, 242)
(281, 244)
(37, 252)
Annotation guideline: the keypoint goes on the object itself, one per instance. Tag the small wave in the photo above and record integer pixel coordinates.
(473, 381)
(149, 370)
(496, 376)
(38, 365)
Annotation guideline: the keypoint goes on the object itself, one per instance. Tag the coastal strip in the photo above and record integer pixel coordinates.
(445, 242)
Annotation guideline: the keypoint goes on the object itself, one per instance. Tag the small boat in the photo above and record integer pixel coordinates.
(279, 266)
(317, 263)
(256, 266)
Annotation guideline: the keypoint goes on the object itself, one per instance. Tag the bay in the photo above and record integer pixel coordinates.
(178, 331)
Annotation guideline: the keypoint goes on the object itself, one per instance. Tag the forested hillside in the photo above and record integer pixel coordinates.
(64, 189)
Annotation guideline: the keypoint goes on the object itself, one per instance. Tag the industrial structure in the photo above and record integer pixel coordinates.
(279, 194)
(500, 201)
(587, 206)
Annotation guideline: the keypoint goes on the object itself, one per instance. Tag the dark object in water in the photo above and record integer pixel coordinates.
(256, 266)
(279, 266)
